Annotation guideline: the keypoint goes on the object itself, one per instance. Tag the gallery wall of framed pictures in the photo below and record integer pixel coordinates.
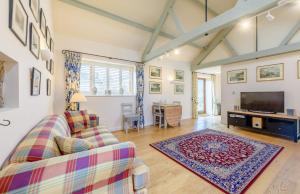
(273, 72)
(34, 32)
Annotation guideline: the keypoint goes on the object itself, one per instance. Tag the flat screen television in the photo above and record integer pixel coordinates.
(268, 102)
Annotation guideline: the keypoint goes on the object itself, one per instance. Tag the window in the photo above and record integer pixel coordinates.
(106, 79)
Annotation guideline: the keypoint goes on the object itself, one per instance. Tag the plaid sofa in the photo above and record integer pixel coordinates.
(37, 166)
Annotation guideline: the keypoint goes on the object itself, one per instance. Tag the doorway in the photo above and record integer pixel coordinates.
(201, 96)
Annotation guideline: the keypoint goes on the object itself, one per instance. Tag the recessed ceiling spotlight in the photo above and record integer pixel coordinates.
(176, 52)
(269, 16)
(245, 24)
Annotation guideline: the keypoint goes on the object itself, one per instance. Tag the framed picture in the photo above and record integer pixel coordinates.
(179, 75)
(51, 45)
(179, 89)
(51, 66)
(48, 87)
(270, 72)
(237, 76)
(48, 65)
(155, 87)
(34, 41)
(18, 20)
(155, 72)
(299, 69)
(35, 82)
(48, 37)
(35, 7)
(42, 22)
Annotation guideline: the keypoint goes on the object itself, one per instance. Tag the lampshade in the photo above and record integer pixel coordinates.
(46, 55)
(78, 97)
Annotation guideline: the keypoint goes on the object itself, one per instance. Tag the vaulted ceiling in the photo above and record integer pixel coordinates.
(84, 22)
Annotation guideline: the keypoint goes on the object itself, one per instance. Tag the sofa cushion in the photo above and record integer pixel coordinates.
(94, 120)
(103, 139)
(90, 132)
(69, 145)
(39, 143)
(77, 120)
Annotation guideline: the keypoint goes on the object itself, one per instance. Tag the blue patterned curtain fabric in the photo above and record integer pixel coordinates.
(72, 75)
(140, 92)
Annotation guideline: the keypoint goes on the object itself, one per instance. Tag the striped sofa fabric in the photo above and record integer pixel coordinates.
(37, 165)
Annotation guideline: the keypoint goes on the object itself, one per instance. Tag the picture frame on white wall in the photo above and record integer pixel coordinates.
(270, 72)
(34, 40)
(237, 76)
(18, 20)
(155, 72)
(43, 22)
(179, 75)
(178, 89)
(155, 87)
(35, 7)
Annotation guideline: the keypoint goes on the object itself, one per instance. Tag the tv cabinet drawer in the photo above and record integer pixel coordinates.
(281, 127)
(242, 122)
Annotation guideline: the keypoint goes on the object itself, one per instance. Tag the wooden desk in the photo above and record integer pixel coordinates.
(170, 119)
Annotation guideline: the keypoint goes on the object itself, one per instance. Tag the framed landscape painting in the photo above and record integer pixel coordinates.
(43, 22)
(155, 72)
(179, 75)
(270, 72)
(34, 41)
(155, 87)
(35, 82)
(18, 20)
(179, 88)
(35, 8)
(237, 76)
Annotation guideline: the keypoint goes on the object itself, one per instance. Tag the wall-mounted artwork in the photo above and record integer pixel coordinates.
(179, 89)
(155, 87)
(35, 8)
(51, 45)
(51, 66)
(48, 37)
(299, 69)
(179, 75)
(48, 87)
(270, 72)
(2, 71)
(18, 20)
(155, 72)
(34, 41)
(35, 82)
(237, 76)
(42, 22)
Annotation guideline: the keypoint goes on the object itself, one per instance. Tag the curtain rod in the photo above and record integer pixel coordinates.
(65, 51)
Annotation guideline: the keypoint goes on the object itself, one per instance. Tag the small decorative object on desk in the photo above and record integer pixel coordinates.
(290, 112)
(236, 107)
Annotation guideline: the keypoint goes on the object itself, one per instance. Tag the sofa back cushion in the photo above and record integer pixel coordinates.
(69, 145)
(40, 142)
(78, 120)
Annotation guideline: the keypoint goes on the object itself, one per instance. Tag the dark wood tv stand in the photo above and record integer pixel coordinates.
(274, 124)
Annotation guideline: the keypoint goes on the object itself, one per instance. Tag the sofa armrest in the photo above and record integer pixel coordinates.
(79, 172)
(94, 120)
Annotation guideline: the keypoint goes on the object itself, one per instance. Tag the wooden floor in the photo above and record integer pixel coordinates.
(282, 176)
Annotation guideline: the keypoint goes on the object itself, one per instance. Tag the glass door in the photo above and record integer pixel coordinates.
(201, 96)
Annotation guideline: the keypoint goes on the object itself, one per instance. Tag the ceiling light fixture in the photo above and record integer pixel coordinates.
(269, 16)
(245, 24)
(176, 52)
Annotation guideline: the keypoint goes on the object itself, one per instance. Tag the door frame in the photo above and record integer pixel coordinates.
(204, 95)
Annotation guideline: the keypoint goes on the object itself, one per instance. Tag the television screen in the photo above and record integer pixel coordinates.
(263, 101)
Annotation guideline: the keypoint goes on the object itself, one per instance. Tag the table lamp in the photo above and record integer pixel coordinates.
(77, 98)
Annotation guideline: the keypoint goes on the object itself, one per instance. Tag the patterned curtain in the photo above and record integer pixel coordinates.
(195, 94)
(72, 74)
(140, 92)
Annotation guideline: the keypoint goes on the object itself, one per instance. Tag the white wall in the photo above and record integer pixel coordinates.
(31, 109)
(109, 108)
(290, 84)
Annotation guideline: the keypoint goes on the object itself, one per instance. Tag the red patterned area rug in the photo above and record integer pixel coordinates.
(227, 161)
